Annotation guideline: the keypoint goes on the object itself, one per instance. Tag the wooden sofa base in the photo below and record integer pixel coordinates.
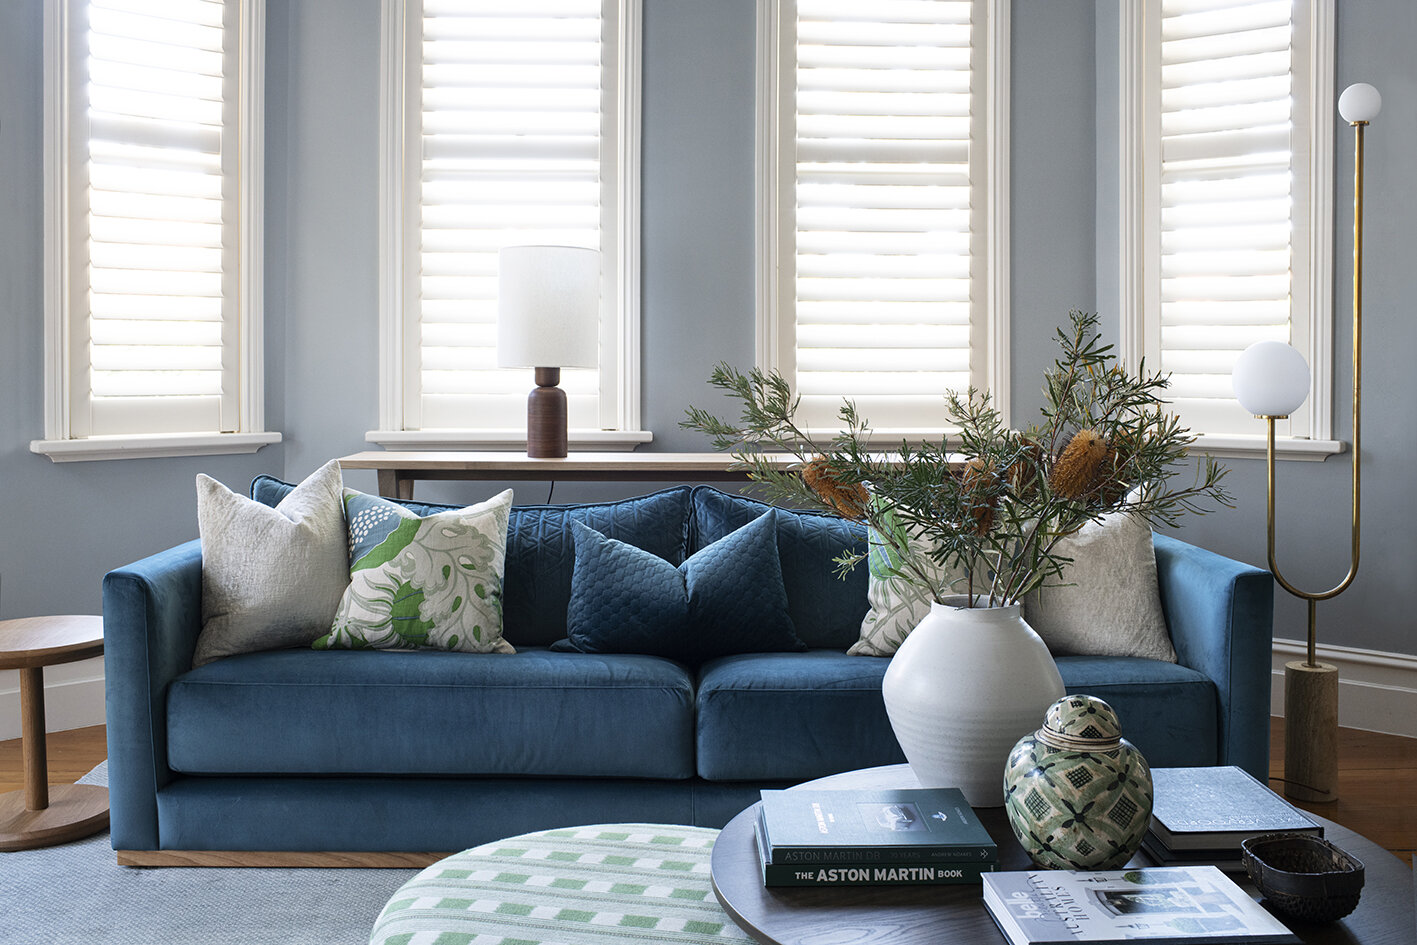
(279, 858)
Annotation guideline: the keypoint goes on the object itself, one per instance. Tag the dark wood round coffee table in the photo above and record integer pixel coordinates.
(934, 915)
(43, 814)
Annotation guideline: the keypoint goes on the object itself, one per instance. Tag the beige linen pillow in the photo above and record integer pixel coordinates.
(1110, 604)
(271, 577)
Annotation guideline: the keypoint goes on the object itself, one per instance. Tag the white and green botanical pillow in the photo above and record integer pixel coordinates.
(433, 582)
(896, 604)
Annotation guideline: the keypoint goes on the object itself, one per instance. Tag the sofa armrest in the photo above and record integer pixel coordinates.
(152, 613)
(1220, 613)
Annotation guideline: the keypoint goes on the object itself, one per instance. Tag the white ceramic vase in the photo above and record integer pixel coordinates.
(967, 683)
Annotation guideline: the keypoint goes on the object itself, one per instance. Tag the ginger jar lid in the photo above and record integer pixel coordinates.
(1081, 722)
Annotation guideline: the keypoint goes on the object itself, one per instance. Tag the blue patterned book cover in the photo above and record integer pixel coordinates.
(844, 827)
(1216, 808)
(1164, 906)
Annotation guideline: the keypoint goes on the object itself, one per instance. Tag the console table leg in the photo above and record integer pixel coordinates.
(395, 484)
(32, 738)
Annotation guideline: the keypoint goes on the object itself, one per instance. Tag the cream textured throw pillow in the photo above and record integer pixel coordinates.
(1110, 604)
(271, 577)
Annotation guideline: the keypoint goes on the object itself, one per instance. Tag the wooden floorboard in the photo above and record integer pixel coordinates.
(1377, 786)
(1377, 778)
(72, 755)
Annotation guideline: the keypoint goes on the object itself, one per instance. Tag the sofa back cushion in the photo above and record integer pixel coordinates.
(541, 551)
(826, 610)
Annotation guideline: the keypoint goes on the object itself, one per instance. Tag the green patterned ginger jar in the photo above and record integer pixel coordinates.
(1077, 793)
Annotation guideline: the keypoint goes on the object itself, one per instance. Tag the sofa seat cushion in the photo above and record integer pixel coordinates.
(532, 713)
(792, 716)
(1168, 711)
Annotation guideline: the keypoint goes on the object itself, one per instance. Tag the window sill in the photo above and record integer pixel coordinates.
(608, 441)
(151, 446)
(1253, 447)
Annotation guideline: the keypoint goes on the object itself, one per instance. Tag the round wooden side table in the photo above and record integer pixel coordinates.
(43, 814)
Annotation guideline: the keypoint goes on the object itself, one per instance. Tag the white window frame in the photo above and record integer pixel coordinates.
(1310, 432)
(774, 332)
(59, 443)
(620, 324)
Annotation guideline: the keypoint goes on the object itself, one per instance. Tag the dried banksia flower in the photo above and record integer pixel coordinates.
(1022, 473)
(979, 499)
(849, 499)
(1076, 470)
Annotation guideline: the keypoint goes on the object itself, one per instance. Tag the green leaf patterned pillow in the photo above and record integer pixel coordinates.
(433, 582)
(896, 604)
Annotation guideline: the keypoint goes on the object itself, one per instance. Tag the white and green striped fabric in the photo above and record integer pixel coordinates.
(574, 886)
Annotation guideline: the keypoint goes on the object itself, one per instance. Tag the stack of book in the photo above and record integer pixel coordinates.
(871, 838)
(1202, 815)
(1163, 905)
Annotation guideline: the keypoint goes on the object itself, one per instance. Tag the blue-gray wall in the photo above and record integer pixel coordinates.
(1379, 610)
(65, 525)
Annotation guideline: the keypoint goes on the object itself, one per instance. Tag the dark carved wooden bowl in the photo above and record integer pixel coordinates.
(1303, 877)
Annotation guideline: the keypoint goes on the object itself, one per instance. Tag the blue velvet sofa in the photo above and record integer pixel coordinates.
(303, 750)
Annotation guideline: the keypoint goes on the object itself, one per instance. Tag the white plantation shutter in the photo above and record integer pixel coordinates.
(508, 107)
(881, 203)
(153, 241)
(1228, 196)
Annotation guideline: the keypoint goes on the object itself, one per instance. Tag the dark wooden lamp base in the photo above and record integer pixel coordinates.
(546, 416)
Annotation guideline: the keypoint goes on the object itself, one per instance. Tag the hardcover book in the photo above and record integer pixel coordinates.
(893, 873)
(920, 825)
(1227, 861)
(1215, 809)
(1164, 905)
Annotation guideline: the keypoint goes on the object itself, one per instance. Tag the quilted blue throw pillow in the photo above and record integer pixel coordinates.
(727, 598)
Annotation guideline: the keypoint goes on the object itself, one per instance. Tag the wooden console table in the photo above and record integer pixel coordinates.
(399, 470)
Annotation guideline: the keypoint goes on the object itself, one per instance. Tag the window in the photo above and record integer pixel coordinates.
(507, 122)
(882, 205)
(153, 165)
(1226, 206)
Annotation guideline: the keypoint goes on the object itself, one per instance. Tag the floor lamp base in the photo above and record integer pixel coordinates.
(1311, 731)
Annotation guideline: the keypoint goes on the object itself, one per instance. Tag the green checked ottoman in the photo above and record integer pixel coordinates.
(607, 883)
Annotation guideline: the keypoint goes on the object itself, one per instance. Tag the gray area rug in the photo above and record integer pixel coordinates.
(77, 893)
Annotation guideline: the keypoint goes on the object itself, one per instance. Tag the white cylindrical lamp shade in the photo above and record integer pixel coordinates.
(1270, 379)
(548, 306)
(1359, 102)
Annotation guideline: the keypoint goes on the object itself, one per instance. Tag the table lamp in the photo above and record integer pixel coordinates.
(1271, 380)
(548, 317)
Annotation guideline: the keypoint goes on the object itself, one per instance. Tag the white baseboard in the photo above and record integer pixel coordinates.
(1377, 691)
(73, 697)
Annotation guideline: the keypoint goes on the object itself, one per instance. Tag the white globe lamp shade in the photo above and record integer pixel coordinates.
(1271, 379)
(1360, 102)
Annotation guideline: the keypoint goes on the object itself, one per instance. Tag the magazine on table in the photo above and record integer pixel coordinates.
(1161, 905)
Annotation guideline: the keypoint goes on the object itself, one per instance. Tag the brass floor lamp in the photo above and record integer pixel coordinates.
(1271, 380)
